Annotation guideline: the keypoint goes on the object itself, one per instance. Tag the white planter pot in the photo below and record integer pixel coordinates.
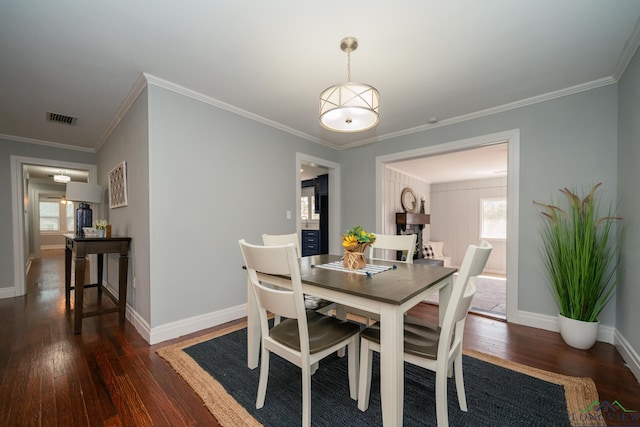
(578, 334)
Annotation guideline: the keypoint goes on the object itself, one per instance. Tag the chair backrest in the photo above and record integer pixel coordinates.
(282, 239)
(462, 293)
(280, 260)
(394, 242)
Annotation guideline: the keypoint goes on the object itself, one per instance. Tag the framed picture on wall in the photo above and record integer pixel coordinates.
(118, 186)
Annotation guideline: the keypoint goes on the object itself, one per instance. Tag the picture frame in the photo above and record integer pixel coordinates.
(118, 186)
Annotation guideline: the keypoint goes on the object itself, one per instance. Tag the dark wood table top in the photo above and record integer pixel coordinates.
(394, 286)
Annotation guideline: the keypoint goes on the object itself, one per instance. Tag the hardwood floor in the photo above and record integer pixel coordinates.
(109, 376)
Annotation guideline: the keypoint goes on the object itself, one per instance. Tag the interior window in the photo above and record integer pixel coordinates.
(56, 216)
(493, 222)
(49, 216)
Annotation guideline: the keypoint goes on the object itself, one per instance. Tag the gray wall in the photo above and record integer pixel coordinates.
(129, 143)
(628, 294)
(214, 178)
(12, 148)
(566, 141)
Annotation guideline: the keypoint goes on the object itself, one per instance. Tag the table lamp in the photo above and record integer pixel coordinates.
(84, 193)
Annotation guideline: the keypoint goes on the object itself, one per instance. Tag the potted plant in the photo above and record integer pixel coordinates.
(354, 242)
(581, 263)
(101, 226)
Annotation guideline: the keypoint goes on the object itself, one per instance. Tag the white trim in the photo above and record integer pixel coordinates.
(195, 324)
(334, 197)
(17, 208)
(550, 323)
(128, 101)
(489, 111)
(7, 292)
(139, 323)
(165, 84)
(627, 54)
(627, 352)
(47, 143)
(512, 138)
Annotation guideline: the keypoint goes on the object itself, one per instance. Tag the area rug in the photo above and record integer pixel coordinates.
(499, 392)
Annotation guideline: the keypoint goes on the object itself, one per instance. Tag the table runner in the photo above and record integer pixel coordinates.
(368, 269)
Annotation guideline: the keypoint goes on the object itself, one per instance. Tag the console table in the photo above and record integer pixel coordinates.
(83, 246)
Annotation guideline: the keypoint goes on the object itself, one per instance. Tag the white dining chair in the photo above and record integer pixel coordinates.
(282, 239)
(435, 348)
(311, 302)
(394, 242)
(305, 336)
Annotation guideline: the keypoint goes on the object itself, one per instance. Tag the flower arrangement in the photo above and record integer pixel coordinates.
(357, 239)
(354, 242)
(101, 224)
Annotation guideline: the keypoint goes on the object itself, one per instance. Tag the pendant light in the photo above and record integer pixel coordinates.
(61, 177)
(349, 107)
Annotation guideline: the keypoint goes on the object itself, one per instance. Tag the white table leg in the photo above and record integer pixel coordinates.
(391, 364)
(253, 328)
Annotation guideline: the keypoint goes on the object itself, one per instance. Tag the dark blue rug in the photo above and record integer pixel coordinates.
(496, 396)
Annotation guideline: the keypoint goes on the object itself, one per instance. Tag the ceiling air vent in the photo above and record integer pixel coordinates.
(61, 118)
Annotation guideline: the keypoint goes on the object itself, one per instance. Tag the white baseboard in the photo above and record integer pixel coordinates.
(197, 323)
(182, 327)
(550, 323)
(628, 354)
(8, 292)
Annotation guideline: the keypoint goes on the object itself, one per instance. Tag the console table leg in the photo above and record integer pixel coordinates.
(123, 265)
(79, 294)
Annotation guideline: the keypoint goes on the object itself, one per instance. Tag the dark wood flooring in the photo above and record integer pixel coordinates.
(109, 376)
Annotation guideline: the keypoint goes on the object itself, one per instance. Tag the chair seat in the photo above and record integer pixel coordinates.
(324, 332)
(420, 338)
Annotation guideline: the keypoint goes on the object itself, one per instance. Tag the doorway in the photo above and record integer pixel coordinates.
(333, 171)
(511, 139)
(20, 210)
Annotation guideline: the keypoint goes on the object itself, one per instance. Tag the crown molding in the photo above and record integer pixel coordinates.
(490, 111)
(127, 102)
(165, 84)
(629, 50)
(47, 143)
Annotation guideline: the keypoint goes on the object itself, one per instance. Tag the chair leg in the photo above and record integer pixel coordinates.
(306, 395)
(264, 377)
(341, 313)
(364, 385)
(353, 364)
(442, 414)
(462, 397)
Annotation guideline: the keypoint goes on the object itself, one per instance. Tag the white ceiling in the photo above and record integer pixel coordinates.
(46, 173)
(477, 163)
(271, 59)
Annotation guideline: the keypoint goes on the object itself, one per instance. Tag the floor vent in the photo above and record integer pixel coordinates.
(61, 118)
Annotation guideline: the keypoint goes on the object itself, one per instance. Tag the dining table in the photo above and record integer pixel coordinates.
(389, 293)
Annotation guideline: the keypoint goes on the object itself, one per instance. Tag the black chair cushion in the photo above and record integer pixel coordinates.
(324, 332)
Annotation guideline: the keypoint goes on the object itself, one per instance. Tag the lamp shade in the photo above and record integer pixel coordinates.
(349, 107)
(61, 177)
(84, 192)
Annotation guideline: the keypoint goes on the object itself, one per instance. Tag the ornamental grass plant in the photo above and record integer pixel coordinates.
(579, 257)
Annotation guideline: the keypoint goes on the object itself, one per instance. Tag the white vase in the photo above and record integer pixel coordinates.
(578, 334)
